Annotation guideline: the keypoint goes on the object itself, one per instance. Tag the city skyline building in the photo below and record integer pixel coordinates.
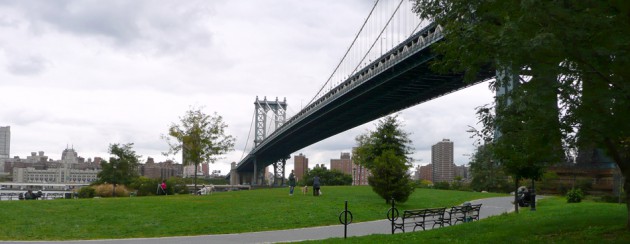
(442, 160)
(38, 169)
(346, 165)
(425, 172)
(300, 165)
(343, 163)
(5, 141)
(162, 170)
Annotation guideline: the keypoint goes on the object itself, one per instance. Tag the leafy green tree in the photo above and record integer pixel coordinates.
(145, 186)
(444, 185)
(122, 168)
(327, 177)
(384, 152)
(487, 174)
(389, 177)
(574, 51)
(200, 138)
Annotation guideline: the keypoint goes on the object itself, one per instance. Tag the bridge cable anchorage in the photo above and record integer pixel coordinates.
(378, 37)
(345, 54)
(251, 125)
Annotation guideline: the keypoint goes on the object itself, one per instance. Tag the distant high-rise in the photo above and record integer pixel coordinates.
(442, 159)
(300, 165)
(343, 164)
(346, 165)
(425, 172)
(5, 141)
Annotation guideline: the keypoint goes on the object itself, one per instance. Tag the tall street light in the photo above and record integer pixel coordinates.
(114, 180)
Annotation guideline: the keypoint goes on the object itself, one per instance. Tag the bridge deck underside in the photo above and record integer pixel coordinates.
(406, 84)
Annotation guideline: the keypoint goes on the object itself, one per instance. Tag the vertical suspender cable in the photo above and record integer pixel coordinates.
(346, 54)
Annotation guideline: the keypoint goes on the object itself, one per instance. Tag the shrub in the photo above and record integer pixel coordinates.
(575, 195)
(106, 190)
(86, 192)
(442, 185)
(145, 186)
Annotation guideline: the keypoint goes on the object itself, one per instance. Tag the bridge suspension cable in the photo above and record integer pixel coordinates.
(251, 125)
(345, 54)
(385, 24)
(377, 38)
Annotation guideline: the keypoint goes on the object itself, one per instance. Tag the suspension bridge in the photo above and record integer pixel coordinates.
(385, 70)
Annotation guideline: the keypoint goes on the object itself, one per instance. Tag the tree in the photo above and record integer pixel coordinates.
(389, 177)
(122, 168)
(487, 174)
(579, 49)
(200, 138)
(326, 177)
(384, 152)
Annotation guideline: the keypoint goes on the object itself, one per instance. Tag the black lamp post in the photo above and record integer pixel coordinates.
(114, 180)
(354, 176)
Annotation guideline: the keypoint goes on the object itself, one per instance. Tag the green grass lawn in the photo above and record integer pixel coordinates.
(223, 212)
(555, 221)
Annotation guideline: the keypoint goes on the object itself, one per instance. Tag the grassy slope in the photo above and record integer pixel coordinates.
(225, 212)
(555, 221)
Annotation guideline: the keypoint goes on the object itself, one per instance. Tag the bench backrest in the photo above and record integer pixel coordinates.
(475, 208)
(424, 213)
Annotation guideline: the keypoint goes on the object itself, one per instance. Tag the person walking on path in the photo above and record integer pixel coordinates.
(291, 183)
(316, 186)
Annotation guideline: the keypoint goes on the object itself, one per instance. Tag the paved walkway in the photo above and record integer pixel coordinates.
(491, 207)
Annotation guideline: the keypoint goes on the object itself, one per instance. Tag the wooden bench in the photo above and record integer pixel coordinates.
(464, 213)
(421, 218)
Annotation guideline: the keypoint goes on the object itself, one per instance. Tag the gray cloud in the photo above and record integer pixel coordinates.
(26, 65)
(156, 27)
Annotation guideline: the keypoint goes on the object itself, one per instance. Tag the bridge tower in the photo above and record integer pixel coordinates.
(278, 108)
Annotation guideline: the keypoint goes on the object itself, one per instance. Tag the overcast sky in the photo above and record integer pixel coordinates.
(85, 74)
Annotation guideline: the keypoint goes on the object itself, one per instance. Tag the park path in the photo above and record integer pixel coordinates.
(490, 207)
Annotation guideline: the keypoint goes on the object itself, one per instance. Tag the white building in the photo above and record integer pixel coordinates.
(64, 171)
(54, 175)
(189, 171)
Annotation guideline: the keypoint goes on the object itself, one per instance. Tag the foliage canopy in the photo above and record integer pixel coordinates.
(384, 152)
(122, 166)
(571, 53)
(199, 137)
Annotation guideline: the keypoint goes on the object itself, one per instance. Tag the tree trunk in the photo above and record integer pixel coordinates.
(624, 166)
(195, 179)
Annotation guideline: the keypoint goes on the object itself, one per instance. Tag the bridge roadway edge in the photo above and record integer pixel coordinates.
(491, 207)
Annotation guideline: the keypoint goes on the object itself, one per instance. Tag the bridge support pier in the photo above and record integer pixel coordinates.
(255, 176)
(278, 172)
(235, 178)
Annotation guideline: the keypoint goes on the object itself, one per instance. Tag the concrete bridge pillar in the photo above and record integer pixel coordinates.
(255, 176)
(235, 178)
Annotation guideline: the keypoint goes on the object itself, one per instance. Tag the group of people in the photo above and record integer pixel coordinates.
(316, 184)
(524, 197)
(30, 195)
